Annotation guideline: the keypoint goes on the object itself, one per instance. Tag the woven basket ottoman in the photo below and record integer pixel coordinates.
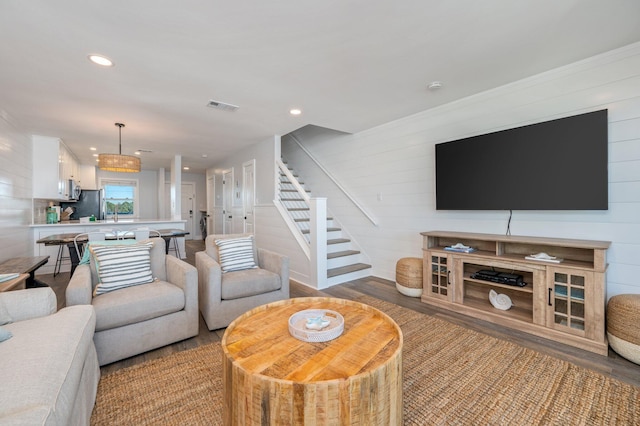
(409, 276)
(623, 325)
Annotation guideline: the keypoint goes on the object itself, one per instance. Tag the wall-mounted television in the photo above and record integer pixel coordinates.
(554, 165)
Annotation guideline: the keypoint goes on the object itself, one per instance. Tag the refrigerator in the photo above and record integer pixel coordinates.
(90, 202)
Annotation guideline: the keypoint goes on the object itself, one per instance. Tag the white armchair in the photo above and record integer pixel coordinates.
(225, 296)
(139, 318)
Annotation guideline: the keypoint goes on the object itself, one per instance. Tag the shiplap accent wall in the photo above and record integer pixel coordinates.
(15, 190)
(390, 169)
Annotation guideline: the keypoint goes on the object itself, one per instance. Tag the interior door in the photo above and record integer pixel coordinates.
(211, 203)
(248, 195)
(187, 203)
(227, 202)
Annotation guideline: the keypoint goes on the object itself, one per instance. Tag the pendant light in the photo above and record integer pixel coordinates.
(119, 162)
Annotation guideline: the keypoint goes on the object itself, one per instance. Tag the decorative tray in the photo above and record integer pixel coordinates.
(298, 325)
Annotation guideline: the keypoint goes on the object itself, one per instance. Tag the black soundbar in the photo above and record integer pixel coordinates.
(499, 277)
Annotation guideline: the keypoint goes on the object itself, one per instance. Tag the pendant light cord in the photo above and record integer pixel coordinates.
(120, 126)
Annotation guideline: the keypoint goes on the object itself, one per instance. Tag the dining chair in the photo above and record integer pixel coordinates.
(139, 234)
(90, 236)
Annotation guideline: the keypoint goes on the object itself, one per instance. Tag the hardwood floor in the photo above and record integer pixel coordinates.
(612, 365)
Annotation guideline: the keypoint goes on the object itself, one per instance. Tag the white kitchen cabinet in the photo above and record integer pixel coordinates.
(53, 166)
(87, 177)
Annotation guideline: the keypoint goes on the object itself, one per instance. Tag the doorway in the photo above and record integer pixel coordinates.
(227, 201)
(248, 195)
(187, 202)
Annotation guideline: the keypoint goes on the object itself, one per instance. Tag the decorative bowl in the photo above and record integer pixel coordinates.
(302, 325)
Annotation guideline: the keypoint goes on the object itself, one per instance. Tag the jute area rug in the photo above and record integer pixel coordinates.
(452, 376)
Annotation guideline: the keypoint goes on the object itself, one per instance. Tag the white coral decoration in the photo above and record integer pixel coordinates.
(317, 323)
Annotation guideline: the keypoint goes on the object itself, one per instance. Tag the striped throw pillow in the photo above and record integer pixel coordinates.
(122, 266)
(236, 254)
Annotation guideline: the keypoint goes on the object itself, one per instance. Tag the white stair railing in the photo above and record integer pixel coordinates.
(316, 248)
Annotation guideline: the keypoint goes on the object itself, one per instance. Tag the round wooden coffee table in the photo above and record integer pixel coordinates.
(271, 377)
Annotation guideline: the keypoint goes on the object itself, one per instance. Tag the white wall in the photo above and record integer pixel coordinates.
(271, 231)
(15, 190)
(264, 154)
(147, 189)
(390, 169)
(200, 181)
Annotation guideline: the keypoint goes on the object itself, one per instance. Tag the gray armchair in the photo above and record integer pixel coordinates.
(136, 319)
(224, 297)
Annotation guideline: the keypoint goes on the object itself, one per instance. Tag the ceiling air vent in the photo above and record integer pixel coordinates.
(222, 106)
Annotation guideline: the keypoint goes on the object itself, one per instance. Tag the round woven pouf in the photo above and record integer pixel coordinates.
(623, 325)
(409, 276)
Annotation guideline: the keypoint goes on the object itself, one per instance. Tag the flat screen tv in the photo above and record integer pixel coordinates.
(554, 165)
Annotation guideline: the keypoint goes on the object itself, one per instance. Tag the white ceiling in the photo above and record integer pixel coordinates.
(348, 64)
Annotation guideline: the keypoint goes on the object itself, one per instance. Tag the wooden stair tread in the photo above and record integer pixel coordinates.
(338, 241)
(306, 231)
(347, 269)
(306, 219)
(342, 254)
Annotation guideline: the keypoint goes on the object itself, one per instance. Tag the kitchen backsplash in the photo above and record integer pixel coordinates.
(40, 210)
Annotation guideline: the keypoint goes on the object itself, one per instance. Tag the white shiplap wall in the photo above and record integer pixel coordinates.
(15, 190)
(390, 169)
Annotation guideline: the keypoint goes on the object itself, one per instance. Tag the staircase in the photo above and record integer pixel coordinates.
(345, 261)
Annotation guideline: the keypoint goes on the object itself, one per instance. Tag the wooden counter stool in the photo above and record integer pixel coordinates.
(623, 325)
(409, 276)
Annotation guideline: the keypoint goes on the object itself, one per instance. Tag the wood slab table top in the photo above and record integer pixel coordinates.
(23, 265)
(271, 376)
(68, 238)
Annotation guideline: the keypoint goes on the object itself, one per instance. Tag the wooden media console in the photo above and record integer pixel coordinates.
(563, 299)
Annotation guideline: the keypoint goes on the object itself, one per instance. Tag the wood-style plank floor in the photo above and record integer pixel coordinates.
(612, 365)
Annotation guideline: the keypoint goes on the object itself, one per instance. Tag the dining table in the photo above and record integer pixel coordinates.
(69, 239)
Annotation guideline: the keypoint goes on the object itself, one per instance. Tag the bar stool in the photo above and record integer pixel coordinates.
(176, 247)
(61, 258)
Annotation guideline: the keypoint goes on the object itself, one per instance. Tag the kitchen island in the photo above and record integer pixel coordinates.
(41, 231)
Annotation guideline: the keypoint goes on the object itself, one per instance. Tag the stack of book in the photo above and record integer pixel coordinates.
(7, 277)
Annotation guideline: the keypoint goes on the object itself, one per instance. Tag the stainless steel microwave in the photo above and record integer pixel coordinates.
(74, 190)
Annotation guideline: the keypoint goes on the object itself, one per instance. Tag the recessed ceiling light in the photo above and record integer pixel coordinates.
(101, 60)
(137, 153)
(204, 155)
(185, 168)
(434, 85)
(93, 148)
(295, 111)
(95, 155)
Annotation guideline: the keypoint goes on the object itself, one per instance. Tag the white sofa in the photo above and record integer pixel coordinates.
(49, 369)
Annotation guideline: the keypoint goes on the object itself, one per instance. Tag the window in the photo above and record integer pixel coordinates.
(121, 194)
